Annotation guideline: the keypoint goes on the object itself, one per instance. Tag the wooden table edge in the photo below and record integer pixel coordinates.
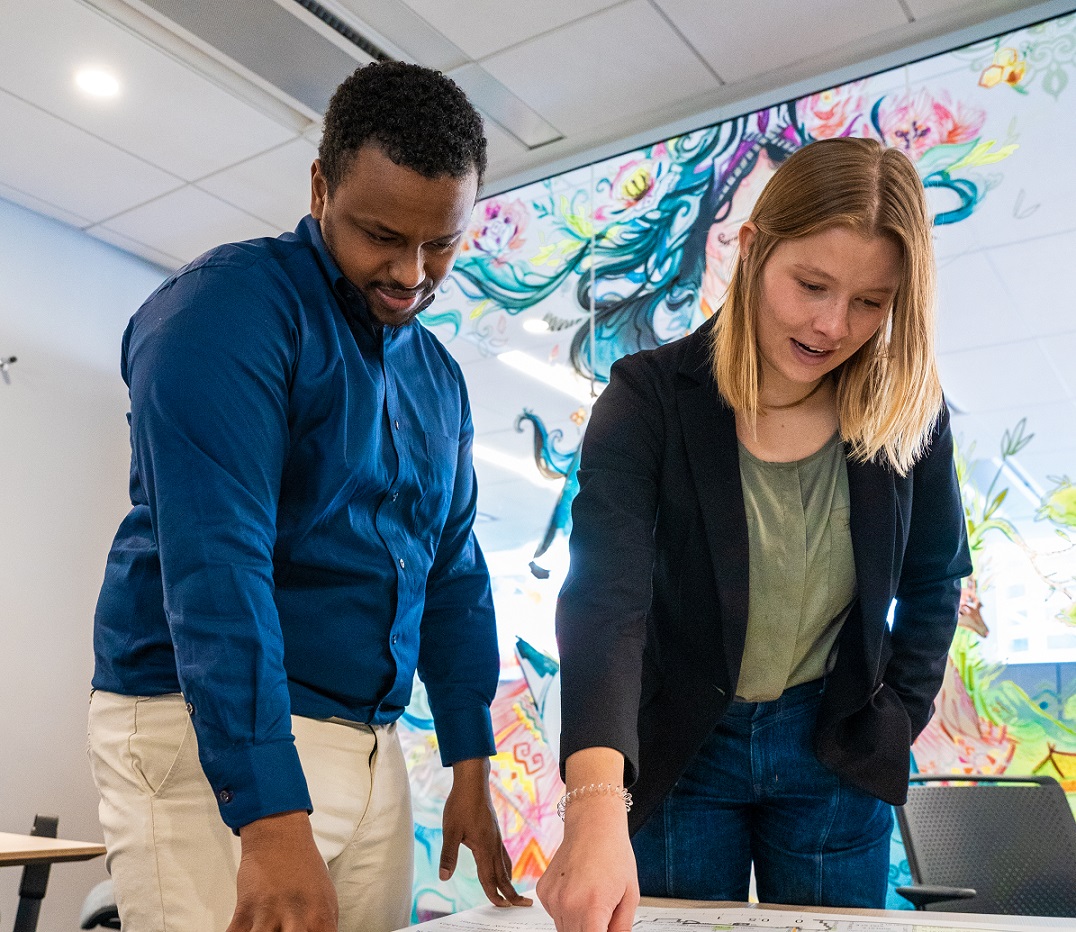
(30, 849)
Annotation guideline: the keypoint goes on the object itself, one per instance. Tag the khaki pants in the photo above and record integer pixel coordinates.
(173, 860)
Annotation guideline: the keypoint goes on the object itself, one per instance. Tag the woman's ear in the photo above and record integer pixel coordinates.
(747, 238)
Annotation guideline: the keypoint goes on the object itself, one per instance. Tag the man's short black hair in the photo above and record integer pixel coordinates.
(418, 117)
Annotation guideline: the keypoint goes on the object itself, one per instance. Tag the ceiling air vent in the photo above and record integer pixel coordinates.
(302, 48)
(336, 24)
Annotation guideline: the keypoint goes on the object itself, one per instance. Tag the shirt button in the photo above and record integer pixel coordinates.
(190, 709)
(395, 495)
(401, 562)
(397, 423)
(395, 638)
(225, 796)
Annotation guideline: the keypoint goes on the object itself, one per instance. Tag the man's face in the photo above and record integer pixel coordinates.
(393, 232)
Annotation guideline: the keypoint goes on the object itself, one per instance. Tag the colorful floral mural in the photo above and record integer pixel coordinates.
(634, 251)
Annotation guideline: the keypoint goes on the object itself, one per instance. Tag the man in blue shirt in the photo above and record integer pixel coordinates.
(300, 543)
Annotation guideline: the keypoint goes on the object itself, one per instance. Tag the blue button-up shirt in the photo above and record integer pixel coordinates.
(301, 537)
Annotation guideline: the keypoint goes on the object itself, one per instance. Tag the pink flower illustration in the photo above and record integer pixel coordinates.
(834, 112)
(638, 185)
(497, 228)
(921, 121)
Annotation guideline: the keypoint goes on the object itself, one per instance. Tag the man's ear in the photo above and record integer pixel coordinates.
(319, 190)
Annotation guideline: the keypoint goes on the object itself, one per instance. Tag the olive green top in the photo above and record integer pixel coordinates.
(802, 572)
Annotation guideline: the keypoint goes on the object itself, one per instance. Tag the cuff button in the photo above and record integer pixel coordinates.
(225, 796)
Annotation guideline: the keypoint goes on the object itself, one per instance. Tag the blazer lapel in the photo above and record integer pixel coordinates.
(709, 430)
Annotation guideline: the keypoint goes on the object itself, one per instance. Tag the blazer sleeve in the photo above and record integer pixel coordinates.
(603, 606)
(936, 559)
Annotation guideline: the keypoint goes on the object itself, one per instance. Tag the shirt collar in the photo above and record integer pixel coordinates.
(351, 299)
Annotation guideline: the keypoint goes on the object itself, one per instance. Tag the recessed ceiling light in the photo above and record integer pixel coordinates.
(96, 82)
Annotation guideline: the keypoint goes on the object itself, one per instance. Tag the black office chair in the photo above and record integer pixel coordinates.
(982, 844)
(35, 879)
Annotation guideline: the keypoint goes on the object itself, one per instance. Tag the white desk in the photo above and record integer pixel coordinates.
(30, 849)
(491, 919)
(887, 915)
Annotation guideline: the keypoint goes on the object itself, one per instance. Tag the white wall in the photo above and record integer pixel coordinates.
(64, 457)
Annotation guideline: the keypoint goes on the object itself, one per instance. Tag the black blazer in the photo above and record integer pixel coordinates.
(652, 618)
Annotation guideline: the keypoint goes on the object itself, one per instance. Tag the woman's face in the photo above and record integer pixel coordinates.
(822, 297)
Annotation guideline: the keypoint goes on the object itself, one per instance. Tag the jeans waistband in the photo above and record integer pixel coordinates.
(794, 695)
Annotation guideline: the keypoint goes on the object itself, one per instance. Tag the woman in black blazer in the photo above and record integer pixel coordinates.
(823, 351)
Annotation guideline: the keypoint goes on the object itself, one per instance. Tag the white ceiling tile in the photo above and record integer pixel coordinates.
(993, 378)
(570, 78)
(274, 186)
(502, 148)
(410, 32)
(187, 222)
(165, 113)
(135, 248)
(40, 206)
(71, 169)
(742, 41)
(924, 9)
(482, 27)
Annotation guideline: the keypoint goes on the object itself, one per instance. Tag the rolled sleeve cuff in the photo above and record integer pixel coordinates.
(256, 781)
(464, 734)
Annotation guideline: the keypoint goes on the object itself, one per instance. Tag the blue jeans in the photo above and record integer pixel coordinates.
(756, 792)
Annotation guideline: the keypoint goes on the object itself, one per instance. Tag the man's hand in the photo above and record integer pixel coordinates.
(283, 884)
(470, 820)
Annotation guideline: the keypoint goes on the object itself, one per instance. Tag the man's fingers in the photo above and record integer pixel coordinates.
(491, 873)
(504, 881)
(450, 852)
(488, 879)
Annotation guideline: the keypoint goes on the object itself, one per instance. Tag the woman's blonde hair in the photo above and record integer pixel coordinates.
(888, 393)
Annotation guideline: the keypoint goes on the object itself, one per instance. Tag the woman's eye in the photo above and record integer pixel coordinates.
(378, 238)
(808, 286)
(873, 305)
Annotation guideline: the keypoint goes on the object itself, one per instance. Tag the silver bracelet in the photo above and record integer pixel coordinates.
(594, 789)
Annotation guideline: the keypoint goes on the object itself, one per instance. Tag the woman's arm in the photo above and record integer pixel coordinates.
(591, 885)
(603, 607)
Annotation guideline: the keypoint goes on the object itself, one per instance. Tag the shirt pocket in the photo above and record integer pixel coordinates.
(437, 478)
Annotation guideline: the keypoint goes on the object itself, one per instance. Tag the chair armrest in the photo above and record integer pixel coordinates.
(920, 895)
